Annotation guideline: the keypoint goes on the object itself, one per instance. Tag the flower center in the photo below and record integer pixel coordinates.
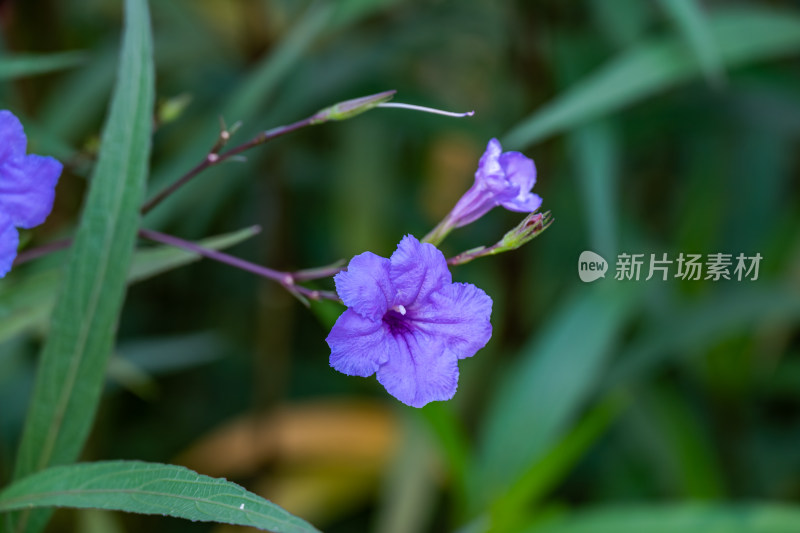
(397, 321)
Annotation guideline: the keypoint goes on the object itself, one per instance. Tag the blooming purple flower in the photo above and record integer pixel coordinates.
(27, 187)
(503, 179)
(408, 322)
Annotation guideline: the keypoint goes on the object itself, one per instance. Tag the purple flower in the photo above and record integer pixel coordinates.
(503, 179)
(27, 187)
(408, 322)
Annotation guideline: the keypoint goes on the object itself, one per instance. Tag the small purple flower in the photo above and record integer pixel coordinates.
(408, 322)
(503, 179)
(27, 187)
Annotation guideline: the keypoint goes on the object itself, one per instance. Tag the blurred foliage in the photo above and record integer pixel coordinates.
(656, 127)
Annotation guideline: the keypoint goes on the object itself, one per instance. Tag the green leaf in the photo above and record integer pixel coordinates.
(87, 88)
(683, 518)
(21, 65)
(72, 366)
(622, 22)
(689, 454)
(26, 304)
(534, 483)
(149, 488)
(169, 354)
(689, 327)
(693, 24)
(544, 391)
(351, 11)
(657, 65)
(137, 361)
(595, 151)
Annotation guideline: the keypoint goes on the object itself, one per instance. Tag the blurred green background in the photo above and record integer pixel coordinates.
(658, 127)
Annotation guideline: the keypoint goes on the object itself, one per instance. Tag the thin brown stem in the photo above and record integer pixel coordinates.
(40, 251)
(213, 158)
(340, 111)
(286, 279)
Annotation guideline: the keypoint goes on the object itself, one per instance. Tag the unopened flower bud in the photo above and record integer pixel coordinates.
(351, 108)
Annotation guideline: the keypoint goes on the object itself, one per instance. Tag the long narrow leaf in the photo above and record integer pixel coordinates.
(544, 391)
(688, 328)
(149, 488)
(21, 65)
(596, 154)
(679, 519)
(657, 65)
(533, 484)
(690, 19)
(73, 361)
(86, 88)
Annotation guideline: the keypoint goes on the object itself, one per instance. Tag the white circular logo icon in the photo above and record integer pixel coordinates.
(591, 266)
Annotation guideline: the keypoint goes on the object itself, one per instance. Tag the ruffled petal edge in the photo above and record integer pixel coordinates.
(358, 345)
(460, 316)
(419, 371)
(12, 136)
(365, 287)
(9, 242)
(417, 269)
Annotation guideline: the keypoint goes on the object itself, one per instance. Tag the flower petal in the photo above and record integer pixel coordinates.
(476, 202)
(501, 179)
(420, 370)
(358, 345)
(489, 163)
(458, 314)
(524, 203)
(365, 286)
(9, 241)
(491, 177)
(519, 170)
(12, 136)
(27, 188)
(417, 270)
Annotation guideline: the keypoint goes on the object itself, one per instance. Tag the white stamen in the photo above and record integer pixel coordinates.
(425, 109)
(400, 309)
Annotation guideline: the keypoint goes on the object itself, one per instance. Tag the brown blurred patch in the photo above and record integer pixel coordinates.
(249, 26)
(347, 431)
(324, 457)
(450, 170)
